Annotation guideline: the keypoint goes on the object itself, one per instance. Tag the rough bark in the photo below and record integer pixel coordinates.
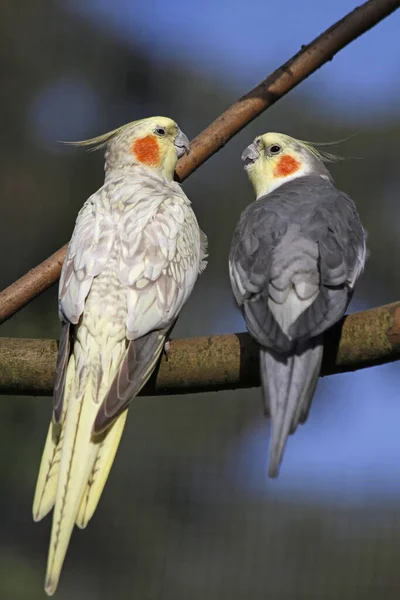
(214, 363)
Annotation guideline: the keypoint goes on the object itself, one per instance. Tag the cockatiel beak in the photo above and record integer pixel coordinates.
(250, 155)
(182, 144)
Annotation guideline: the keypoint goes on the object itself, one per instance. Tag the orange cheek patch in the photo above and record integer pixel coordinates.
(287, 165)
(146, 150)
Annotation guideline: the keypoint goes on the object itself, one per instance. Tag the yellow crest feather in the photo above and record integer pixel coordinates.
(101, 140)
(324, 156)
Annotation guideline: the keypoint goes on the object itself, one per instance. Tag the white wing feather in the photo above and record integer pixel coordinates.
(87, 255)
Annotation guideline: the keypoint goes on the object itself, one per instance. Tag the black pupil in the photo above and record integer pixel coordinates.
(275, 149)
(161, 131)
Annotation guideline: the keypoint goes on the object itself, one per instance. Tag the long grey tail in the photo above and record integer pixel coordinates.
(288, 383)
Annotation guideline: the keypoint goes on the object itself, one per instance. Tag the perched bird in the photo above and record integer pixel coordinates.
(295, 257)
(131, 264)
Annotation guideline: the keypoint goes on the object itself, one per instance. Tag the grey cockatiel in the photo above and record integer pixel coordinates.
(132, 262)
(295, 257)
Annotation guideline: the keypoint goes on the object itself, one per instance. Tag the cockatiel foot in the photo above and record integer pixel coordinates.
(167, 348)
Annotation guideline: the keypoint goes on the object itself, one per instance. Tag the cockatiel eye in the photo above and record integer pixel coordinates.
(160, 131)
(274, 149)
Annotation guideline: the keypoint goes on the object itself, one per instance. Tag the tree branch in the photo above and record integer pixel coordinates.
(214, 137)
(215, 363)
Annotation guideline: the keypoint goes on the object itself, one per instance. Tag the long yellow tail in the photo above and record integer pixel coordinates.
(73, 471)
(101, 469)
(46, 486)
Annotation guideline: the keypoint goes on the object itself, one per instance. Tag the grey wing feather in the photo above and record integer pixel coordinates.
(249, 265)
(64, 352)
(342, 254)
(136, 368)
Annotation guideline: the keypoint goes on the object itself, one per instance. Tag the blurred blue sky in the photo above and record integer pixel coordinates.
(349, 449)
(243, 41)
(240, 43)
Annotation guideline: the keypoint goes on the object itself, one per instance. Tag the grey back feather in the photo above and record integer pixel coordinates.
(323, 218)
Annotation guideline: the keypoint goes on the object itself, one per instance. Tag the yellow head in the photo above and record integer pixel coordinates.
(156, 143)
(274, 158)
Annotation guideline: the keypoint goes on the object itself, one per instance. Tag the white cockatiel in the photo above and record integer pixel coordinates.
(296, 255)
(131, 264)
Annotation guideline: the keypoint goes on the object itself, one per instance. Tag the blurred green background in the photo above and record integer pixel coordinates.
(188, 512)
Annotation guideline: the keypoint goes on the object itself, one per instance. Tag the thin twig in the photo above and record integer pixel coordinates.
(214, 137)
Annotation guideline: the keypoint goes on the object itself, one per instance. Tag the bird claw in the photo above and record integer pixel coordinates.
(167, 348)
